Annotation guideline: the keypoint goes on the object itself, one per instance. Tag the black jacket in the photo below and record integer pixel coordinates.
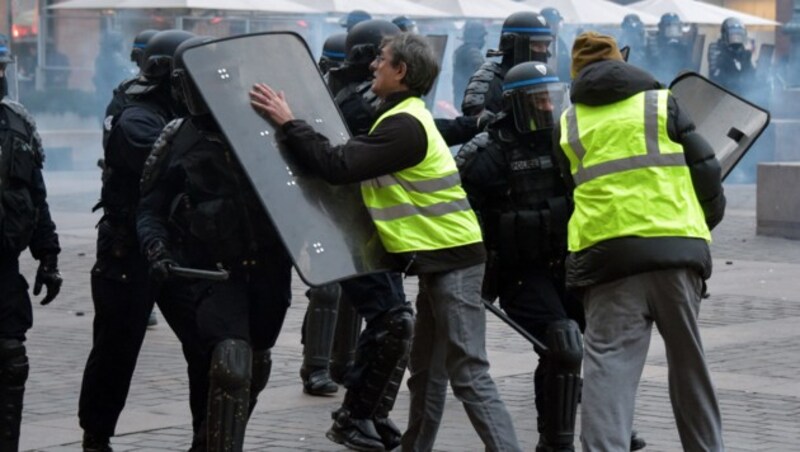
(607, 82)
(399, 142)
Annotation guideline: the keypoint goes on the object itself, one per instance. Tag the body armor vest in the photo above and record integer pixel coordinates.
(20, 156)
(358, 105)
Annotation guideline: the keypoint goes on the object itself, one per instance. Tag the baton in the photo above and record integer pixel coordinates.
(214, 275)
(502, 316)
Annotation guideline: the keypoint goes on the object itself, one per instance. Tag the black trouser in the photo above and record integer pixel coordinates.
(16, 314)
(372, 296)
(534, 299)
(121, 311)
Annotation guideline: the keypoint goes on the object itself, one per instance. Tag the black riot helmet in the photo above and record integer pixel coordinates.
(553, 18)
(364, 41)
(670, 27)
(406, 24)
(354, 17)
(475, 32)
(520, 33)
(633, 32)
(533, 93)
(184, 90)
(157, 60)
(333, 52)
(632, 22)
(733, 32)
(139, 43)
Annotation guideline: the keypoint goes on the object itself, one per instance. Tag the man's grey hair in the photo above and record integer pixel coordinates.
(416, 52)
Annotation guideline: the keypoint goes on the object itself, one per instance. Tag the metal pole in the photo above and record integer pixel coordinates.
(516, 326)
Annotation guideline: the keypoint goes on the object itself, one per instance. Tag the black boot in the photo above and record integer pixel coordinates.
(356, 434)
(318, 382)
(637, 442)
(95, 443)
(388, 431)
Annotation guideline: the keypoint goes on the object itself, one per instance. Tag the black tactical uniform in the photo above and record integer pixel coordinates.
(729, 62)
(121, 292)
(467, 58)
(520, 31)
(515, 186)
(199, 209)
(24, 223)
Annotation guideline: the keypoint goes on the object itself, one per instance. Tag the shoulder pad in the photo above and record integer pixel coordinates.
(478, 86)
(26, 117)
(155, 161)
(365, 89)
(472, 148)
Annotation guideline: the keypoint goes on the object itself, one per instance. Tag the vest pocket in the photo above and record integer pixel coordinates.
(17, 219)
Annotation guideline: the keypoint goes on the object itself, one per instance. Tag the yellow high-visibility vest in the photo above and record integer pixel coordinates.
(631, 178)
(424, 207)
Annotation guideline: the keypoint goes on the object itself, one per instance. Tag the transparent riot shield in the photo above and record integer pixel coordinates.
(439, 45)
(325, 228)
(12, 81)
(728, 122)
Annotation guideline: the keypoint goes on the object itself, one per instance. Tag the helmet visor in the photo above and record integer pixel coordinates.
(737, 36)
(673, 31)
(537, 106)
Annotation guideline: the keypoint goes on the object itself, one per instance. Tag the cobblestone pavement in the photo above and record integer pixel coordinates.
(748, 326)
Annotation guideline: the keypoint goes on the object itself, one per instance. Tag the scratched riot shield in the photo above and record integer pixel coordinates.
(325, 228)
(439, 45)
(728, 122)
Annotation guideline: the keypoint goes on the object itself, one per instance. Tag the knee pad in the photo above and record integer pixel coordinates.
(399, 323)
(565, 346)
(13, 364)
(231, 364)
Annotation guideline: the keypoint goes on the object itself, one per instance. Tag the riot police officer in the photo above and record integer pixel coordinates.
(525, 36)
(729, 61)
(121, 293)
(468, 57)
(25, 223)
(333, 53)
(634, 37)
(669, 52)
(514, 184)
(199, 209)
(372, 375)
(560, 58)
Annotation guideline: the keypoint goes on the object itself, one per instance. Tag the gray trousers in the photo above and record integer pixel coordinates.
(450, 345)
(619, 319)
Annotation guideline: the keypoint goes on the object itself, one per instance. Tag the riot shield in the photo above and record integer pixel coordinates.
(439, 45)
(325, 228)
(728, 122)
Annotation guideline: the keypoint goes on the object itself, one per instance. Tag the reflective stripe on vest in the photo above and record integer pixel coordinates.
(631, 178)
(421, 208)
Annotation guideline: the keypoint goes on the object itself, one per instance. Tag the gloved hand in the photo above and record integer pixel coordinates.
(48, 275)
(484, 118)
(160, 262)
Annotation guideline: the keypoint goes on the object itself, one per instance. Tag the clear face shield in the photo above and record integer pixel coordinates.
(737, 37)
(10, 81)
(531, 48)
(537, 107)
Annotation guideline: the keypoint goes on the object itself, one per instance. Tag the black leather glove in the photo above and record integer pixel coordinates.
(484, 119)
(48, 275)
(160, 262)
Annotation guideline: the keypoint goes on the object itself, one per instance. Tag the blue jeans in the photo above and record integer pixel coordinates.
(450, 345)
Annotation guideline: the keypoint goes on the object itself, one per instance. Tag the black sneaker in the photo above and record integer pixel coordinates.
(318, 382)
(355, 434)
(390, 435)
(637, 442)
(94, 443)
